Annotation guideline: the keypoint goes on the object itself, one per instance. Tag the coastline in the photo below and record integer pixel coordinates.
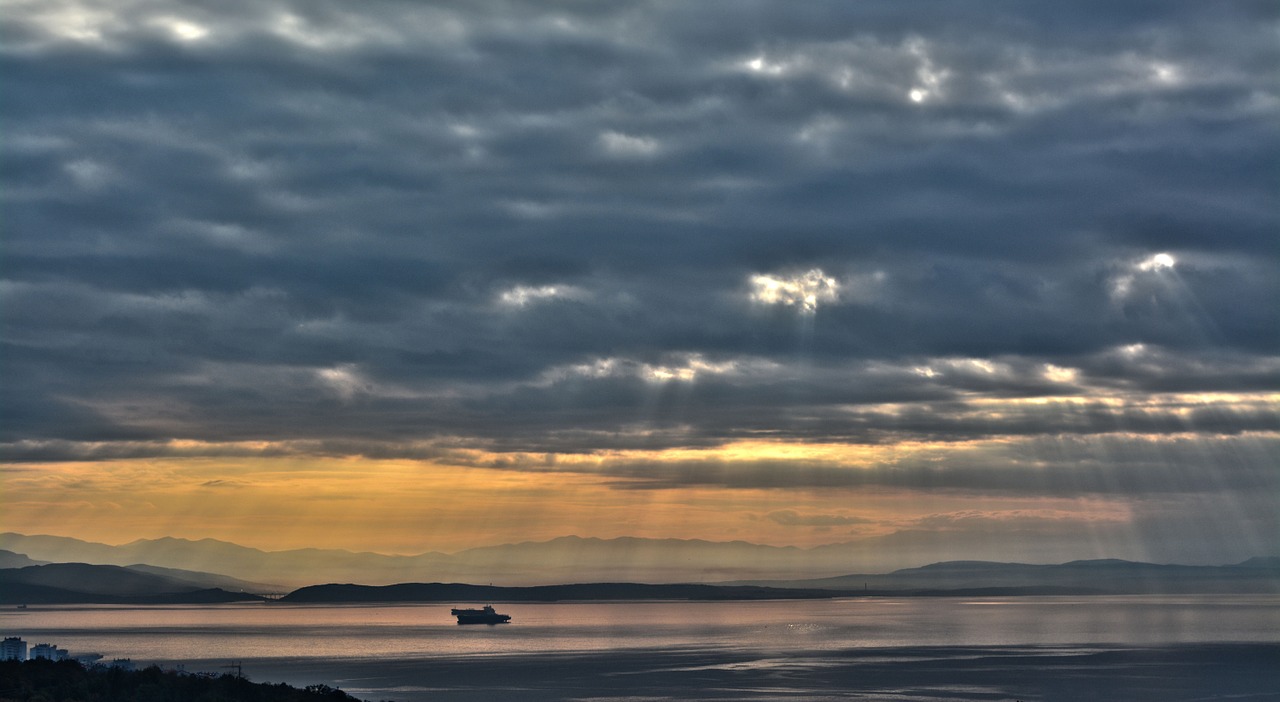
(1169, 673)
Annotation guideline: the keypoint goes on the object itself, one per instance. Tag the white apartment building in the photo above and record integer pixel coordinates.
(13, 649)
(48, 651)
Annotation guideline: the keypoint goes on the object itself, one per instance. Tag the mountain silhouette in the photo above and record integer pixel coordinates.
(64, 583)
(574, 559)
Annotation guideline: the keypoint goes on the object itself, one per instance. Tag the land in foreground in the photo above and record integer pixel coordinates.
(67, 681)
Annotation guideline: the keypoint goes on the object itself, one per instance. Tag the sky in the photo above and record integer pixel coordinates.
(998, 277)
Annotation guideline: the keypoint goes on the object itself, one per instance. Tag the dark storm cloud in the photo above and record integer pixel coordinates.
(533, 227)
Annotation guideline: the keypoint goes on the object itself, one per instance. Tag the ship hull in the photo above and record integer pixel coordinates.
(484, 618)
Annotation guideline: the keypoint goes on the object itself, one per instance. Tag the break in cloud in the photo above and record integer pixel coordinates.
(404, 229)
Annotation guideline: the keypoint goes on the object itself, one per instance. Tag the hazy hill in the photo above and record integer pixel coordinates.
(566, 559)
(291, 568)
(106, 580)
(1256, 575)
(968, 578)
(80, 582)
(1272, 562)
(9, 559)
(207, 580)
(573, 559)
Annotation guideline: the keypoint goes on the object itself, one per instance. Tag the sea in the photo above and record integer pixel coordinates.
(870, 648)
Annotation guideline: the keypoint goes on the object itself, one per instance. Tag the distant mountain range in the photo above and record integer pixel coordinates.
(208, 563)
(964, 578)
(1256, 575)
(566, 559)
(66, 583)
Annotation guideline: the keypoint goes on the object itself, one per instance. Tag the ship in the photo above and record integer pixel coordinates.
(480, 616)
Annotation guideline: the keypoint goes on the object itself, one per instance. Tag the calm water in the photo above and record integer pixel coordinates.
(836, 649)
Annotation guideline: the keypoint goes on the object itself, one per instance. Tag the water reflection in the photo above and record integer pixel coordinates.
(797, 649)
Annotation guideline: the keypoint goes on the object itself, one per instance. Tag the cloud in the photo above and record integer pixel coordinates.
(628, 146)
(1118, 466)
(222, 484)
(345, 380)
(420, 229)
(804, 290)
(89, 174)
(789, 517)
(522, 295)
(1047, 521)
(1148, 270)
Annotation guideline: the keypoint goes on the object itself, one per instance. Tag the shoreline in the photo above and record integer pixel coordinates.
(1165, 673)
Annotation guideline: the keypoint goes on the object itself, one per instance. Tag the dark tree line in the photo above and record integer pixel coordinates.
(68, 681)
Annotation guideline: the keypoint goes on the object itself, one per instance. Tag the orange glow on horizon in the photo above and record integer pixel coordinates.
(410, 507)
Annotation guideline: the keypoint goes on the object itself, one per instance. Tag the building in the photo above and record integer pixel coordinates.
(13, 649)
(48, 652)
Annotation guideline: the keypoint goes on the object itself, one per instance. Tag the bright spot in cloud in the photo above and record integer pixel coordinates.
(1122, 285)
(694, 364)
(522, 295)
(1160, 261)
(1058, 374)
(81, 24)
(1133, 350)
(348, 32)
(974, 364)
(760, 64)
(628, 146)
(683, 368)
(599, 368)
(950, 367)
(181, 29)
(344, 380)
(1166, 73)
(805, 290)
(928, 78)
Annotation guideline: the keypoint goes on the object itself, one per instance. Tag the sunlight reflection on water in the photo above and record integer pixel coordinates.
(414, 652)
(274, 630)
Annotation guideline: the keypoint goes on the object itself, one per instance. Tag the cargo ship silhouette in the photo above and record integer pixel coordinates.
(487, 615)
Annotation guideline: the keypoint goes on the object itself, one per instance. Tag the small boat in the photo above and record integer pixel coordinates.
(480, 616)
